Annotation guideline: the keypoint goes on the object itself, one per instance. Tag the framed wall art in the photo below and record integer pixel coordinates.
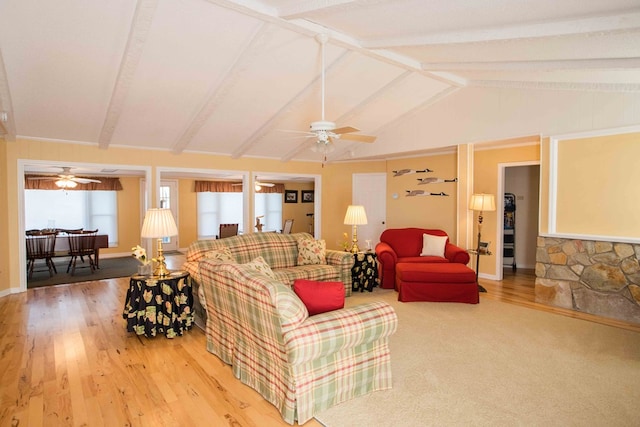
(307, 196)
(291, 196)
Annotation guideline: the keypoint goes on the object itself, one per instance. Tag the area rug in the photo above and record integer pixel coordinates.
(110, 268)
(497, 364)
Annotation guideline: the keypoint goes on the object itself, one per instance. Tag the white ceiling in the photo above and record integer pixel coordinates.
(230, 76)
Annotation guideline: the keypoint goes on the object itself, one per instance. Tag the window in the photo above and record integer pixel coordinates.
(227, 208)
(73, 209)
(218, 208)
(269, 205)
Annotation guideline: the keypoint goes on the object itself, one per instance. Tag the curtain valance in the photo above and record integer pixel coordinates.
(105, 184)
(231, 187)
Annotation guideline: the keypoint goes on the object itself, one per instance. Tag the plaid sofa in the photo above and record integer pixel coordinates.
(280, 251)
(300, 364)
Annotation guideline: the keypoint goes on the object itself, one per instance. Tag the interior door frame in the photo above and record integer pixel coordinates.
(21, 164)
(500, 211)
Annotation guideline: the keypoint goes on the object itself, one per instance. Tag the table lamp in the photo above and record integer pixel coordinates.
(481, 202)
(355, 216)
(158, 224)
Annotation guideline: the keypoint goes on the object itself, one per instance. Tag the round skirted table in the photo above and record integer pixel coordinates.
(159, 305)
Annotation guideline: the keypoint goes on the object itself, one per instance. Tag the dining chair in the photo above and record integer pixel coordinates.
(82, 244)
(40, 245)
(288, 225)
(228, 230)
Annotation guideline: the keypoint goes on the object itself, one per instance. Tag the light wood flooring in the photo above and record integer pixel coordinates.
(67, 359)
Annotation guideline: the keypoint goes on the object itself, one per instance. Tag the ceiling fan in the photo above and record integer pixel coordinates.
(324, 131)
(259, 184)
(66, 179)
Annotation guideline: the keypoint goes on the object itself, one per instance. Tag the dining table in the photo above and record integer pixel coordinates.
(62, 246)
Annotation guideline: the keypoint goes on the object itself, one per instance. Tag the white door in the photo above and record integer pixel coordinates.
(370, 191)
(169, 200)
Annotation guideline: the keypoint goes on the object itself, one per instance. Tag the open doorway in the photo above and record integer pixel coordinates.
(518, 230)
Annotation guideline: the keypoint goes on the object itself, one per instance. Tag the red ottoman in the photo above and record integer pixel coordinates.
(438, 282)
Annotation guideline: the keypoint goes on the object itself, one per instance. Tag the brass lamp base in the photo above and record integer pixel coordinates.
(354, 247)
(161, 268)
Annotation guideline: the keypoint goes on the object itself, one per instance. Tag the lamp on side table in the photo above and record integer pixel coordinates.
(158, 224)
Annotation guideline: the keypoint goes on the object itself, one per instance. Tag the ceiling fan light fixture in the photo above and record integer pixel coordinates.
(323, 147)
(257, 187)
(66, 183)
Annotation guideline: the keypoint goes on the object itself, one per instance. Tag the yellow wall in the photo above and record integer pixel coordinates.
(337, 183)
(590, 202)
(298, 211)
(485, 178)
(423, 211)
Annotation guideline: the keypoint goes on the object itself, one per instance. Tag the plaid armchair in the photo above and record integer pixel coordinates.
(300, 364)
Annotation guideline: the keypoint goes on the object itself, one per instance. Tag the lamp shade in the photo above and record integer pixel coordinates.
(355, 215)
(483, 202)
(159, 223)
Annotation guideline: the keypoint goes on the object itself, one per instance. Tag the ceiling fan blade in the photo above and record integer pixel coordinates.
(265, 184)
(345, 129)
(306, 132)
(84, 180)
(359, 138)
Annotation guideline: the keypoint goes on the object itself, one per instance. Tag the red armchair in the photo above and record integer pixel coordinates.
(405, 245)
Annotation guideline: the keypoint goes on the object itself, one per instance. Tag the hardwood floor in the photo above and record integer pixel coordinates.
(519, 288)
(67, 360)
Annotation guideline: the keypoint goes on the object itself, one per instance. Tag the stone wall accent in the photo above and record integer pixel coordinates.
(601, 278)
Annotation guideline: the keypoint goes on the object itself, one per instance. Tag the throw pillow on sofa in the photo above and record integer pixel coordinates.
(433, 245)
(311, 252)
(320, 297)
(261, 266)
(222, 256)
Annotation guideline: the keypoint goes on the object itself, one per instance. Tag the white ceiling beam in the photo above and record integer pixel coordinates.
(251, 50)
(8, 126)
(602, 24)
(301, 8)
(308, 28)
(590, 87)
(142, 20)
(297, 99)
(568, 64)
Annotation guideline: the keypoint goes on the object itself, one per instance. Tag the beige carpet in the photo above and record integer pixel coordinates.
(497, 364)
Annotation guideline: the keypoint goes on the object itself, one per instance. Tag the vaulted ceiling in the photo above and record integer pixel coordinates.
(233, 77)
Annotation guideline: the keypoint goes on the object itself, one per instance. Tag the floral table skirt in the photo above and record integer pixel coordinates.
(159, 305)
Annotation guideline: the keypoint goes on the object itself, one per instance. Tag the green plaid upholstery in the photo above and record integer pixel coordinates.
(301, 364)
(280, 251)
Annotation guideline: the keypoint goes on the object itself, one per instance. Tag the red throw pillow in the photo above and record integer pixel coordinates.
(320, 297)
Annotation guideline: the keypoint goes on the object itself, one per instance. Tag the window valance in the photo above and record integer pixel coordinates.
(231, 187)
(105, 184)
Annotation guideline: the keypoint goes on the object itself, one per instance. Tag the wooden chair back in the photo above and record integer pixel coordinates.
(288, 225)
(228, 230)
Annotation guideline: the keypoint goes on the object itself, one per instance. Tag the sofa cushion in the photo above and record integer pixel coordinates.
(261, 266)
(320, 297)
(433, 245)
(311, 252)
(222, 255)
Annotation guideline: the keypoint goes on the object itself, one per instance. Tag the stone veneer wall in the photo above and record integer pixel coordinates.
(601, 278)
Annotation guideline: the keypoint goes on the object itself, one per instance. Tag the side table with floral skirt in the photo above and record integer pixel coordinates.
(364, 273)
